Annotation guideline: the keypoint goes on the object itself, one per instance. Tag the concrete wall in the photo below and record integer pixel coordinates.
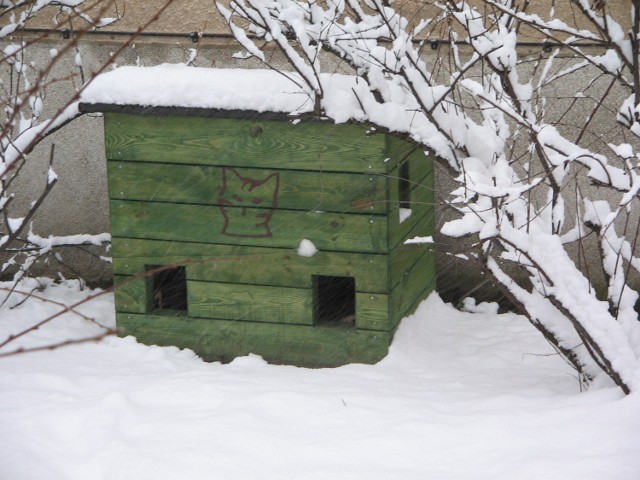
(79, 203)
(200, 15)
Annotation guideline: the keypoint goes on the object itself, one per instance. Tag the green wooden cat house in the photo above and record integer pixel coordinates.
(238, 232)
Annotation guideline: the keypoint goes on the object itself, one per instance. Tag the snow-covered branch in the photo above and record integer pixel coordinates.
(30, 116)
(483, 118)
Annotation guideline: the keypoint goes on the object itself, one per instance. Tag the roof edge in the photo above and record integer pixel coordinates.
(193, 112)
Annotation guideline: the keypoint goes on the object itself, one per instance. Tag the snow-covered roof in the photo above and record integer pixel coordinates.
(264, 91)
(171, 85)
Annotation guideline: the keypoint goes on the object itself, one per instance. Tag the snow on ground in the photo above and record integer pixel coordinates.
(460, 396)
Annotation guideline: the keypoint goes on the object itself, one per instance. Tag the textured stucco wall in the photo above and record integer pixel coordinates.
(79, 203)
(185, 16)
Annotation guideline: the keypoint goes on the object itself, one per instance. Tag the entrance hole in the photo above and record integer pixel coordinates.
(168, 288)
(334, 300)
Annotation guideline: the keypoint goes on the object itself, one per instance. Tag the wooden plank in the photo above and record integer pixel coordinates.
(130, 295)
(254, 303)
(411, 308)
(288, 189)
(244, 143)
(256, 265)
(286, 228)
(422, 210)
(398, 149)
(420, 174)
(133, 295)
(222, 340)
(372, 311)
(412, 288)
(421, 181)
(402, 257)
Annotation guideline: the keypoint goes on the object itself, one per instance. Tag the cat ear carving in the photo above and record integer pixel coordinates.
(243, 201)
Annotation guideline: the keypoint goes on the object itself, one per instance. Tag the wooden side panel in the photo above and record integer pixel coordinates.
(221, 340)
(240, 302)
(411, 267)
(420, 223)
(403, 257)
(372, 311)
(412, 288)
(205, 185)
(422, 200)
(397, 150)
(248, 226)
(320, 146)
(256, 265)
(248, 289)
(130, 295)
(254, 303)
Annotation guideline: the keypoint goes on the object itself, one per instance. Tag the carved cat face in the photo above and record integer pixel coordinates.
(243, 201)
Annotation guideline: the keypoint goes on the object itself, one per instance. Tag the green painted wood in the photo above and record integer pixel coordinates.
(398, 149)
(411, 308)
(133, 294)
(197, 223)
(221, 340)
(419, 156)
(422, 206)
(314, 145)
(372, 311)
(254, 303)
(255, 265)
(403, 257)
(167, 179)
(414, 286)
(130, 295)
(421, 179)
(297, 190)
(420, 167)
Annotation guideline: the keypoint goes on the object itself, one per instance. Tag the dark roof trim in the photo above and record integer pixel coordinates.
(192, 112)
(195, 37)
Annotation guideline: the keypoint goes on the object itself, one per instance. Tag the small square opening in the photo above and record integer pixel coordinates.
(334, 300)
(168, 288)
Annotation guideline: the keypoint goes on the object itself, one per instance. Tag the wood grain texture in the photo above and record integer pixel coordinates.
(130, 295)
(398, 149)
(320, 146)
(420, 170)
(254, 265)
(422, 212)
(372, 311)
(222, 340)
(413, 287)
(197, 223)
(325, 191)
(403, 259)
(248, 289)
(254, 303)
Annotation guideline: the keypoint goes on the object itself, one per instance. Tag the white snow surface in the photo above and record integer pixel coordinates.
(413, 240)
(307, 248)
(260, 90)
(178, 85)
(460, 396)
(404, 214)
